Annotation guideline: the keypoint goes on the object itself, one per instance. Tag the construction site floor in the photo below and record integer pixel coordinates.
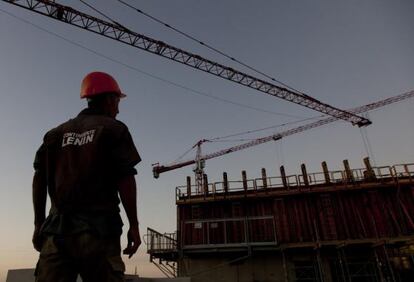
(27, 275)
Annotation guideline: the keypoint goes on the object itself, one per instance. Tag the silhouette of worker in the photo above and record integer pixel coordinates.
(84, 164)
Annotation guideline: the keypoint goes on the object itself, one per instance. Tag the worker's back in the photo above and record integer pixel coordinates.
(81, 156)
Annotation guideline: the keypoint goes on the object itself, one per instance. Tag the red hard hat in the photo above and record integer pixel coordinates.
(96, 83)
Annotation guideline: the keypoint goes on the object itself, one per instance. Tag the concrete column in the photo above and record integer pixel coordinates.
(348, 171)
(188, 186)
(244, 177)
(326, 173)
(305, 175)
(283, 176)
(205, 184)
(225, 183)
(264, 178)
(370, 174)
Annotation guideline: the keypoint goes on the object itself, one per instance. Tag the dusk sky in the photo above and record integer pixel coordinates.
(344, 53)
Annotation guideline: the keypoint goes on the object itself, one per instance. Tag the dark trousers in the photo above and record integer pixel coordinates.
(95, 259)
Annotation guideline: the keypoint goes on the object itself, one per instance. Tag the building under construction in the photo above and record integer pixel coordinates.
(346, 225)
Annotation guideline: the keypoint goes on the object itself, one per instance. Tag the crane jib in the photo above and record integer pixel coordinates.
(122, 34)
(391, 100)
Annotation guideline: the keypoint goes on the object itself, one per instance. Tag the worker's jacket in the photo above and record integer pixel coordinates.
(83, 159)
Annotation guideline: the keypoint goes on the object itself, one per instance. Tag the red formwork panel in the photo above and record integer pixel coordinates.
(192, 234)
(305, 216)
(281, 220)
(407, 206)
(396, 218)
(325, 225)
(237, 209)
(342, 228)
(235, 232)
(304, 221)
(295, 209)
(190, 230)
(397, 224)
(260, 229)
(215, 232)
(363, 216)
(410, 199)
(343, 218)
(375, 204)
(355, 219)
(349, 215)
(301, 217)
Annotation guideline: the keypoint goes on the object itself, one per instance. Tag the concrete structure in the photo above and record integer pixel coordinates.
(27, 275)
(20, 275)
(350, 225)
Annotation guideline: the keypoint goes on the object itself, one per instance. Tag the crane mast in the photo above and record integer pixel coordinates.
(122, 34)
(157, 169)
(199, 168)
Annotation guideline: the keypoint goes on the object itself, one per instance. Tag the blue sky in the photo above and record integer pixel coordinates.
(345, 53)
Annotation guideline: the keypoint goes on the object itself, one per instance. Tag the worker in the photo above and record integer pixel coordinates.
(84, 164)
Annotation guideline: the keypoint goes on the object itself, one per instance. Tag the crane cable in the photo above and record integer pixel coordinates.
(104, 15)
(279, 156)
(367, 143)
(363, 131)
(363, 109)
(263, 129)
(197, 92)
(224, 138)
(209, 46)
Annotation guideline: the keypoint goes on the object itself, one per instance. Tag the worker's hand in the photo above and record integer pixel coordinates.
(134, 241)
(37, 239)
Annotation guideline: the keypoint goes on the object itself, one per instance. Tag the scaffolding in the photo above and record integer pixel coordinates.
(347, 225)
(359, 177)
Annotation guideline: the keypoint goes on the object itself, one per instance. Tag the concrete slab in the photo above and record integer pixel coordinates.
(20, 275)
(23, 275)
(143, 279)
(27, 275)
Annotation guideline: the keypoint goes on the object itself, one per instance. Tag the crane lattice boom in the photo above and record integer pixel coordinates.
(119, 33)
(161, 168)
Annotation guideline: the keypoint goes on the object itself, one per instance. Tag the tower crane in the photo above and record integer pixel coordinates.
(200, 159)
(116, 31)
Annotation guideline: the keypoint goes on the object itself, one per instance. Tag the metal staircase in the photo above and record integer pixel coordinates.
(163, 251)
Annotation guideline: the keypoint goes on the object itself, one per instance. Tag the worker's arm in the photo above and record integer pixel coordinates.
(128, 193)
(39, 205)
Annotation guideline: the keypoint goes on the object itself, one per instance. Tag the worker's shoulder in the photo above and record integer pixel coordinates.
(56, 129)
(107, 122)
(53, 134)
(87, 122)
(114, 122)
